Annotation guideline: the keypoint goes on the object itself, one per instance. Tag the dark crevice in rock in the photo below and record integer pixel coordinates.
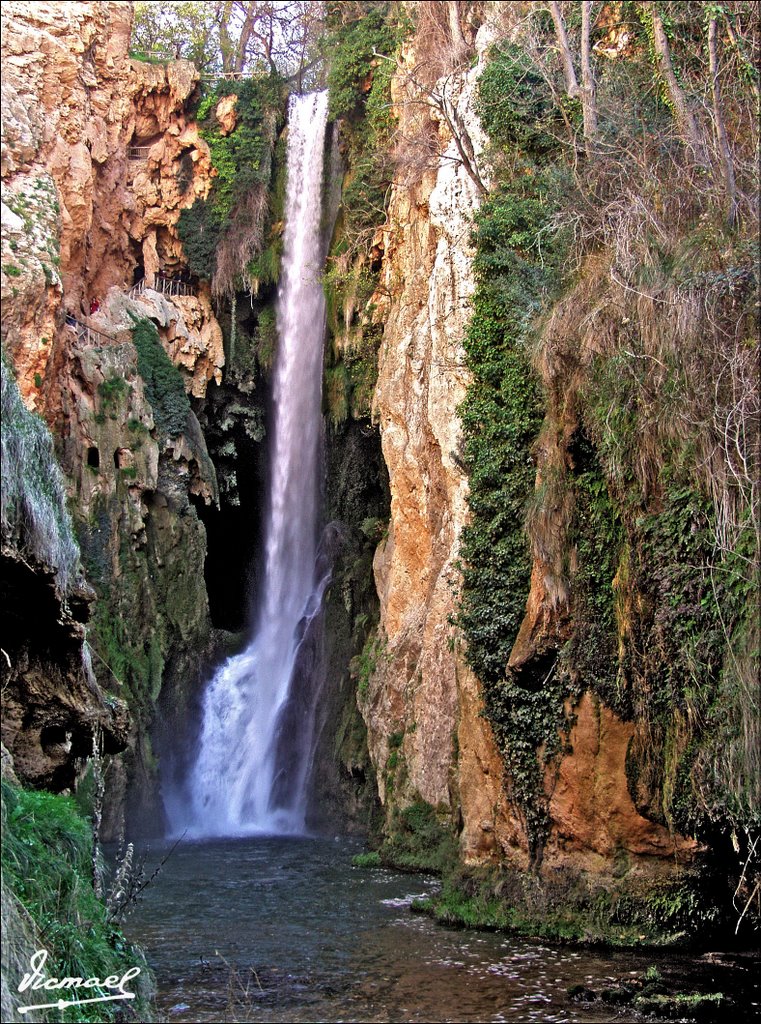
(52, 707)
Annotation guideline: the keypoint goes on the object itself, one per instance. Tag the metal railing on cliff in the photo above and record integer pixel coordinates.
(88, 335)
(138, 152)
(162, 285)
(159, 55)
(219, 76)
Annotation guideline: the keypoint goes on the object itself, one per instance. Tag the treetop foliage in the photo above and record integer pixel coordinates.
(222, 36)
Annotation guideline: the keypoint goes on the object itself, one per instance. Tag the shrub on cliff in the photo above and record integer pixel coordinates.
(164, 386)
(223, 233)
(611, 346)
(418, 841)
(47, 865)
(356, 33)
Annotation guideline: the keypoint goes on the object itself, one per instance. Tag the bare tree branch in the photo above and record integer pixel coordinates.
(688, 126)
(721, 129)
(571, 82)
(437, 98)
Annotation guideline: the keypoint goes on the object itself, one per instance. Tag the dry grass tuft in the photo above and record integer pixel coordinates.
(241, 242)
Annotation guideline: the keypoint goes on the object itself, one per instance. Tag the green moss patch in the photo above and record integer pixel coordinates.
(164, 385)
(48, 863)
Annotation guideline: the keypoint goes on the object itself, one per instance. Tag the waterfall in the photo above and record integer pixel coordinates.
(257, 734)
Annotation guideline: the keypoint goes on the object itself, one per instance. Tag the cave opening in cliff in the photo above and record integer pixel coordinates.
(233, 533)
(53, 737)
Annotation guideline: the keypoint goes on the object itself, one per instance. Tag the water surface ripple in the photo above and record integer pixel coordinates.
(285, 929)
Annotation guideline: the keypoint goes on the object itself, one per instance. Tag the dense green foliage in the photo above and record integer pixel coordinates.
(47, 863)
(655, 555)
(517, 262)
(351, 43)
(371, 859)
(34, 512)
(418, 839)
(572, 908)
(359, 87)
(164, 386)
(595, 534)
(243, 160)
(501, 417)
(515, 103)
(199, 228)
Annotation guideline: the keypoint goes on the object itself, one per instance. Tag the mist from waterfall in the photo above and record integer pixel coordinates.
(257, 736)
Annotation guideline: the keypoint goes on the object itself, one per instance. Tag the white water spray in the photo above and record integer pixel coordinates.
(241, 782)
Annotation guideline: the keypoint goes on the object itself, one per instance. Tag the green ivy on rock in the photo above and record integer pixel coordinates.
(501, 417)
(164, 386)
(242, 160)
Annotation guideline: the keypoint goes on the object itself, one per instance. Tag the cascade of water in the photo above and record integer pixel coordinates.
(256, 741)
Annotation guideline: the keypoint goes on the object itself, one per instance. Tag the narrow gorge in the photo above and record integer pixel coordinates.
(381, 440)
(263, 703)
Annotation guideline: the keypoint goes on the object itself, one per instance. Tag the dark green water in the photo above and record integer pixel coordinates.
(285, 929)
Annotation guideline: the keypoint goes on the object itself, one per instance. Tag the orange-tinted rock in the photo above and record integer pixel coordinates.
(594, 819)
(74, 105)
(421, 686)
(225, 114)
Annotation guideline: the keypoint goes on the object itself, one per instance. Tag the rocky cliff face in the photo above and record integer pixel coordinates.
(422, 687)
(55, 716)
(64, 105)
(428, 736)
(98, 159)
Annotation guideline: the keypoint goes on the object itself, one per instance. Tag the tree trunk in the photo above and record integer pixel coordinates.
(721, 130)
(588, 89)
(245, 35)
(224, 12)
(459, 42)
(688, 126)
(571, 82)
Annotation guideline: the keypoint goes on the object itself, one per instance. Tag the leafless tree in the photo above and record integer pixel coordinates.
(431, 89)
(276, 36)
(587, 92)
(233, 36)
(685, 118)
(721, 128)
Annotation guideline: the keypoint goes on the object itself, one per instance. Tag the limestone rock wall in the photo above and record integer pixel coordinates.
(98, 159)
(65, 104)
(421, 688)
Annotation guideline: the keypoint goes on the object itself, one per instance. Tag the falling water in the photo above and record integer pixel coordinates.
(257, 738)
